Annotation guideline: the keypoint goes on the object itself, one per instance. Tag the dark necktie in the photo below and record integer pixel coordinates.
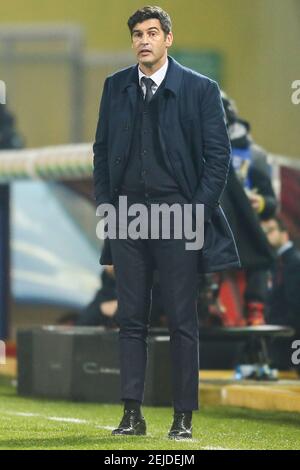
(148, 82)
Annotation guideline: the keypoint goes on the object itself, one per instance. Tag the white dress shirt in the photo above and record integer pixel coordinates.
(157, 77)
(285, 247)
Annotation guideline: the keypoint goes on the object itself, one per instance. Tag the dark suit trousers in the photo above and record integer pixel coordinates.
(177, 267)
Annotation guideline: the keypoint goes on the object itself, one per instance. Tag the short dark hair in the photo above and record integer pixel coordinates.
(281, 224)
(148, 12)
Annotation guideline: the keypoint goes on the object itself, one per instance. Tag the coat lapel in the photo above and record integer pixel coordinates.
(132, 93)
(130, 86)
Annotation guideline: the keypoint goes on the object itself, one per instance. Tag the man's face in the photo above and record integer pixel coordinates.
(275, 236)
(150, 43)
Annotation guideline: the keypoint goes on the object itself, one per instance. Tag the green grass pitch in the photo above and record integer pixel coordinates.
(43, 424)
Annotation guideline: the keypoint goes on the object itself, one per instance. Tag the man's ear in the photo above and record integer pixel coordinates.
(169, 39)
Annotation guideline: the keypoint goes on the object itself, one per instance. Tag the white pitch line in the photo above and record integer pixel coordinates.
(67, 420)
(59, 419)
(24, 415)
(106, 428)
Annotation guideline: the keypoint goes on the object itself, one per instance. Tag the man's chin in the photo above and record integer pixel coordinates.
(146, 63)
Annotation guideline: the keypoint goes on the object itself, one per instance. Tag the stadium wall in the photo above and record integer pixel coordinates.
(259, 41)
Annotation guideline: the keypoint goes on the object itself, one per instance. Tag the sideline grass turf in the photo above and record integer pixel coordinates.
(42, 424)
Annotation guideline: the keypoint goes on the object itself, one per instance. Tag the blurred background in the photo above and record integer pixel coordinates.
(56, 54)
(54, 57)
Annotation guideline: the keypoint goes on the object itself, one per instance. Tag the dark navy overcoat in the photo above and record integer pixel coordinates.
(195, 145)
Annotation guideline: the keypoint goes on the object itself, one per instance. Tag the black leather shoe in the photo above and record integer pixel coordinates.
(132, 424)
(181, 427)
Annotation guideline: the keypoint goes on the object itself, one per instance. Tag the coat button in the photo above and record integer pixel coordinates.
(118, 160)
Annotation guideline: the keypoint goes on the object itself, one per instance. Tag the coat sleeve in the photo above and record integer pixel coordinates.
(216, 151)
(100, 147)
(260, 177)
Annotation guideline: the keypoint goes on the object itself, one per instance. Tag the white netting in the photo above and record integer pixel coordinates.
(50, 163)
(76, 161)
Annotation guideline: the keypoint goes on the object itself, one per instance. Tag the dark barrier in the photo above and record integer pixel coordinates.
(82, 364)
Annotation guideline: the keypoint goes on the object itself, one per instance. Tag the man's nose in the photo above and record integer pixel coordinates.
(145, 38)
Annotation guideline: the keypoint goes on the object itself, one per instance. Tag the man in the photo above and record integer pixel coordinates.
(285, 292)
(161, 138)
(250, 172)
(103, 310)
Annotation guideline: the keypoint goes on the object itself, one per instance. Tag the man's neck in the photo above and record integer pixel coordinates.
(151, 69)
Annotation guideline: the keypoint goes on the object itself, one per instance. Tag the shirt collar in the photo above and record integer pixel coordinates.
(158, 76)
(285, 247)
